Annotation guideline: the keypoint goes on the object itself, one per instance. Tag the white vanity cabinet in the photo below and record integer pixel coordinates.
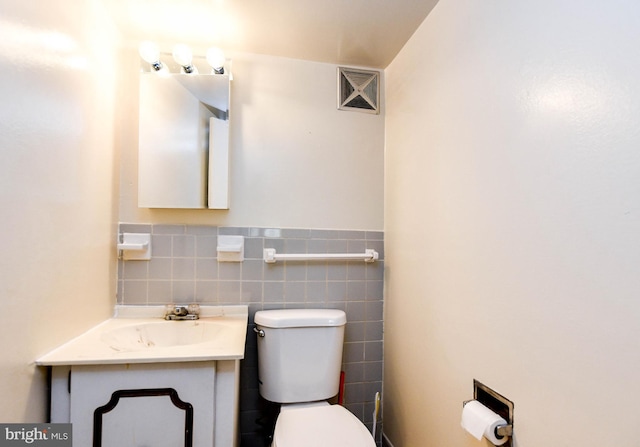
(141, 382)
(189, 404)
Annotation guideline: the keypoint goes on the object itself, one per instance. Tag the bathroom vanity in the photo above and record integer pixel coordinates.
(138, 380)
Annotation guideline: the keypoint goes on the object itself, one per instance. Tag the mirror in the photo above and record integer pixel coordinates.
(183, 143)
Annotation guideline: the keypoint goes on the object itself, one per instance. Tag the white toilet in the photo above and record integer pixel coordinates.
(299, 360)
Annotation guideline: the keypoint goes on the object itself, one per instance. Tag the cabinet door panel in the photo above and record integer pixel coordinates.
(133, 420)
(156, 417)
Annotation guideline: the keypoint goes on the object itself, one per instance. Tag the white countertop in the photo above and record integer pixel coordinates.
(139, 334)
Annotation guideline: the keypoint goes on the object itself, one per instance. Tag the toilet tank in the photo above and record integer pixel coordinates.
(300, 355)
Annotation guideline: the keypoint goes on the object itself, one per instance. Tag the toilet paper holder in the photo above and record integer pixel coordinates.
(499, 405)
(504, 430)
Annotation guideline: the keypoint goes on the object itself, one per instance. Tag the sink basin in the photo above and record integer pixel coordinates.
(139, 334)
(164, 334)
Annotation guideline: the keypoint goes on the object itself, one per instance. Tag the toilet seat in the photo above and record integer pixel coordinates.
(320, 426)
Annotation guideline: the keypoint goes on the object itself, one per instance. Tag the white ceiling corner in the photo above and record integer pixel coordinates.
(366, 33)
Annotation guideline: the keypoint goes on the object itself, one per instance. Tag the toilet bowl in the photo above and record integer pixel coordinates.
(299, 361)
(319, 425)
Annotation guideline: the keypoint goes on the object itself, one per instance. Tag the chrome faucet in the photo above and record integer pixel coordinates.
(190, 312)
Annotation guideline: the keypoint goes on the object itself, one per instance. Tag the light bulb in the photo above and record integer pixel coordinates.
(149, 52)
(215, 58)
(182, 55)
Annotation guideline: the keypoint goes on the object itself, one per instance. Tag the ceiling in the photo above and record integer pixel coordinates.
(367, 33)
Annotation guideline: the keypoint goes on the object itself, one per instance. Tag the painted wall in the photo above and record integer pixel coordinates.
(58, 188)
(512, 211)
(296, 160)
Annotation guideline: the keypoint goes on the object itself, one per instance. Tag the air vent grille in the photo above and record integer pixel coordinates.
(358, 90)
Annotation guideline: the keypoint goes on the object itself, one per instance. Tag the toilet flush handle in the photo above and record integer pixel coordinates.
(260, 332)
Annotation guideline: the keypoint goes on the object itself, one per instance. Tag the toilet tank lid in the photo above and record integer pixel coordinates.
(282, 318)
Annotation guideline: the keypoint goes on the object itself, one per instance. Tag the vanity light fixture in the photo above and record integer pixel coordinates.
(183, 56)
(215, 58)
(150, 53)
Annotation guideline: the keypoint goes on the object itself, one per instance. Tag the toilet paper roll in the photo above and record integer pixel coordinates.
(480, 421)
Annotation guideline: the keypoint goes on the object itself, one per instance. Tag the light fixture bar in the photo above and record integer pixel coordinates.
(183, 56)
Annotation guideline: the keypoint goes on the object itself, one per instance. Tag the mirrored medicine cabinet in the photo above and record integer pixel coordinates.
(183, 144)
